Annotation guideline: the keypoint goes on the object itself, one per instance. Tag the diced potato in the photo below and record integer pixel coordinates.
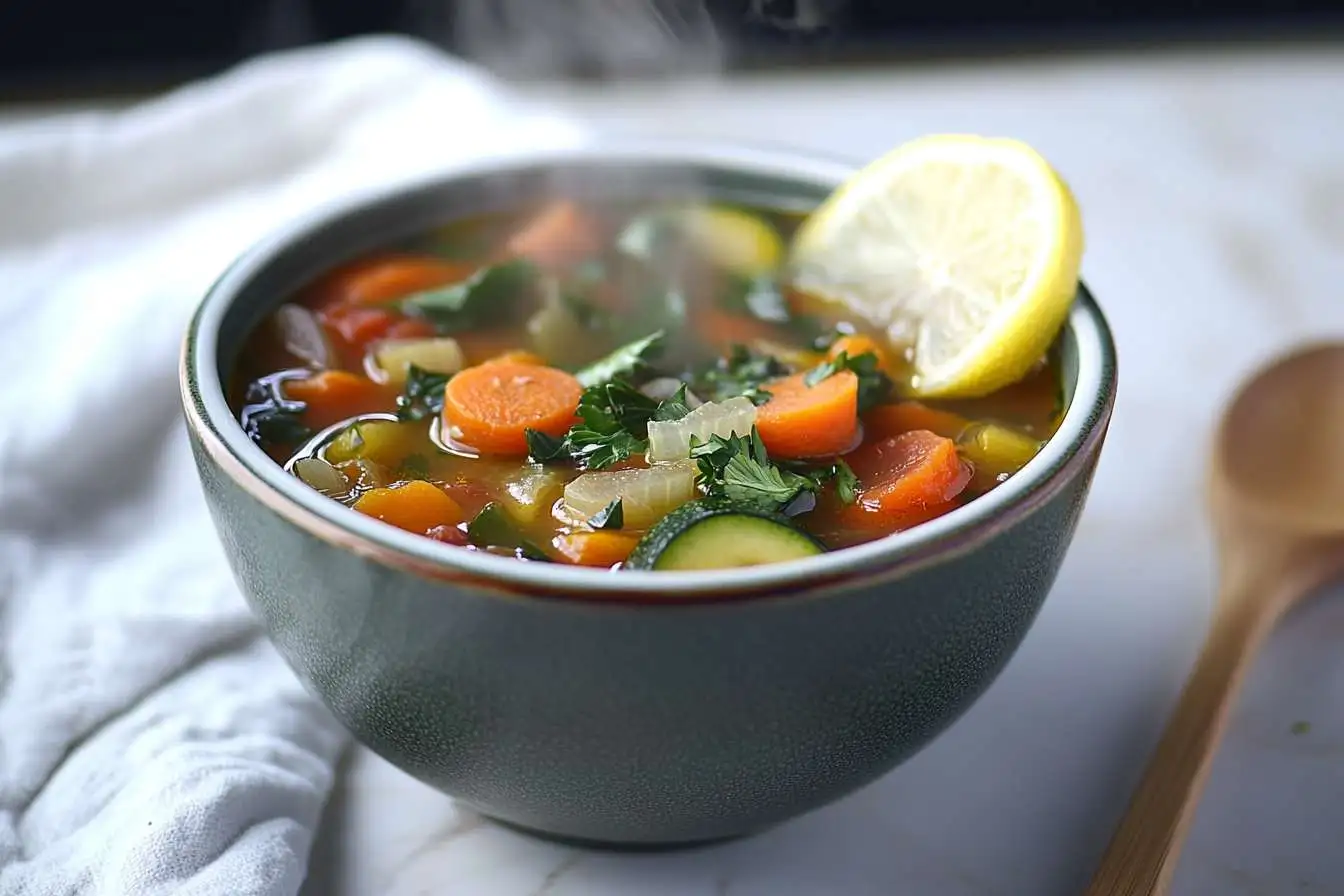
(322, 476)
(394, 357)
(530, 496)
(997, 449)
(671, 440)
(647, 494)
(384, 442)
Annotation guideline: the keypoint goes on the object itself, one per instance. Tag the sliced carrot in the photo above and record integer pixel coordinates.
(334, 395)
(857, 345)
(907, 416)
(904, 480)
(560, 234)
(411, 328)
(600, 548)
(415, 506)
(493, 405)
(519, 356)
(810, 421)
(386, 278)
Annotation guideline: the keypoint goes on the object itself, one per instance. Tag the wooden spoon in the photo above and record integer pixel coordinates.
(1276, 496)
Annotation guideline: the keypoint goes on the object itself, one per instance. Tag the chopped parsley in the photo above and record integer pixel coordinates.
(624, 362)
(739, 468)
(492, 528)
(874, 385)
(741, 372)
(613, 424)
(490, 293)
(422, 396)
(610, 517)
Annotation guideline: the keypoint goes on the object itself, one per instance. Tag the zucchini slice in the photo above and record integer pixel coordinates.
(713, 533)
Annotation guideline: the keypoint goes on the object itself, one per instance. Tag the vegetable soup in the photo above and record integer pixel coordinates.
(624, 387)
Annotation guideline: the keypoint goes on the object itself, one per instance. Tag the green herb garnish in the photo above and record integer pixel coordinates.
(610, 517)
(422, 396)
(543, 448)
(492, 528)
(739, 468)
(674, 408)
(874, 385)
(269, 418)
(742, 372)
(490, 293)
(623, 363)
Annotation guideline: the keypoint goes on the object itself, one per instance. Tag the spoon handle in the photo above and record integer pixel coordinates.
(1142, 853)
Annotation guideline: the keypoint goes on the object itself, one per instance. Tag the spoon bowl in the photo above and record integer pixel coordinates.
(1276, 499)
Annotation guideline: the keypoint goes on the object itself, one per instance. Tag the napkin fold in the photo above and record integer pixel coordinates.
(151, 740)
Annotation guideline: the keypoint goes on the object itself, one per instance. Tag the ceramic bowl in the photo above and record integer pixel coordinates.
(627, 708)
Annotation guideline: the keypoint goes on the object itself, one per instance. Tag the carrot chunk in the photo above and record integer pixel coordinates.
(907, 416)
(561, 234)
(334, 395)
(415, 506)
(904, 480)
(493, 405)
(519, 356)
(386, 278)
(810, 421)
(600, 548)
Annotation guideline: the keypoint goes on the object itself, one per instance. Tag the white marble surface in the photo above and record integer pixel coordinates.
(1213, 197)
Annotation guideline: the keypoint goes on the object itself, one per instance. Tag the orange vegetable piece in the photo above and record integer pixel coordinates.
(411, 328)
(334, 395)
(904, 480)
(598, 548)
(857, 345)
(560, 234)
(493, 405)
(907, 416)
(386, 278)
(416, 506)
(810, 421)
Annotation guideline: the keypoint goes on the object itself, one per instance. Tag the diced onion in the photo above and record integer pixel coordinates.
(302, 335)
(646, 494)
(392, 358)
(322, 476)
(671, 440)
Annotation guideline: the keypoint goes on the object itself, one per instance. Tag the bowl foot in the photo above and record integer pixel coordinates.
(616, 846)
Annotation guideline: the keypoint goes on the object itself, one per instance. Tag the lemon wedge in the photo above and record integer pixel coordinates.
(965, 250)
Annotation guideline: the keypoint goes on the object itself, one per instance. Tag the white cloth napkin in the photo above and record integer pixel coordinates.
(151, 741)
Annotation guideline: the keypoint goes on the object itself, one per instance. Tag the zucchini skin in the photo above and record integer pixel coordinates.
(658, 549)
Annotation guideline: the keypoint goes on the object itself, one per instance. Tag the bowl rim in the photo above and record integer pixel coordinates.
(219, 434)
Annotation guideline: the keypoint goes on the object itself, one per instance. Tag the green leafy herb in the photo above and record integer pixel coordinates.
(422, 396)
(414, 466)
(739, 468)
(1300, 728)
(543, 448)
(492, 528)
(269, 418)
(674, 408)
(490, 293)
(610, 517)
(624, 362)
(758, 296)
(597, 450)
(874, 385)
(742, 372)
(846, 483)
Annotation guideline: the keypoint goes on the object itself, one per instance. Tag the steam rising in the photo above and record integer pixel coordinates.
(603, 38)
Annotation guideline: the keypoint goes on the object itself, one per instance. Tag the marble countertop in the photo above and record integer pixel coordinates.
(1213, 197)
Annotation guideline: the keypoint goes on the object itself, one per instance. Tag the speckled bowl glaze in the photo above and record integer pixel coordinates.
(627, 708)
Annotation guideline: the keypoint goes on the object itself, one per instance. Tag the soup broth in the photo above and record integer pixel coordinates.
(633, 386)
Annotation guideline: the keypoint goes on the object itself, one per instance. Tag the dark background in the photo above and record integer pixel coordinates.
(86, 47)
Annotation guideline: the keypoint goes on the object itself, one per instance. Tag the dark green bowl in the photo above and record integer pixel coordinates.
(632, 708)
